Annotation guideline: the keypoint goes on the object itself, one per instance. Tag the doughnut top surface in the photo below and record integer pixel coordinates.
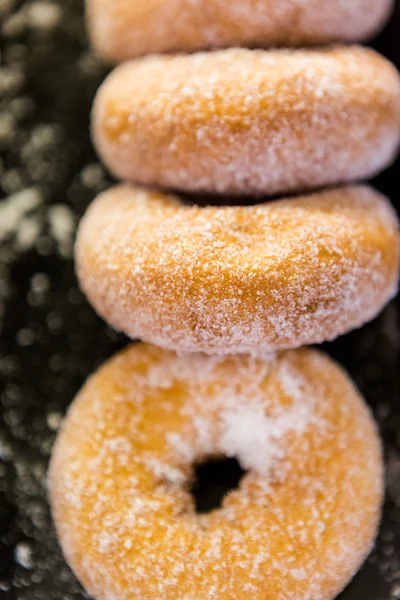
(122, 29)
(233, 279)
(300, 523)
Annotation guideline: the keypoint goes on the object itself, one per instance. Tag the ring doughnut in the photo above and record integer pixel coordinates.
(249, 122)
(238, 279)
(123, 29)
(301, 522)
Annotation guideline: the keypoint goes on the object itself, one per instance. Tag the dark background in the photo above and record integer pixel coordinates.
(50, 339)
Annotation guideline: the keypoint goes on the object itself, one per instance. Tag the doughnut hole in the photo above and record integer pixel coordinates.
(213, 479)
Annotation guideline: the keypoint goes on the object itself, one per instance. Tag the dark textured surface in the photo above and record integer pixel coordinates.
(50, 339)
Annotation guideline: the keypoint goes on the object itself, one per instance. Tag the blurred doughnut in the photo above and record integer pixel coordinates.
(122, 29)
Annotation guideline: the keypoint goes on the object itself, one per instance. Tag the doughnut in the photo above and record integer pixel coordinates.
(249, 122)
(238, 279)
(122, 29)
(299, 525)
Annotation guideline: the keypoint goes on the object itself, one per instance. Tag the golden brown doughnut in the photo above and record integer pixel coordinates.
(301, 522)
(246, 279)
(122, 29)
(249, 122)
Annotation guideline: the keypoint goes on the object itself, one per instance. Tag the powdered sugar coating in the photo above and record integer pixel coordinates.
(122, 29)
(249, 122)
(301, 522)
(238, 279)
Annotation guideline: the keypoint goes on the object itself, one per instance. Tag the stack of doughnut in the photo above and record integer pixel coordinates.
(223, 284)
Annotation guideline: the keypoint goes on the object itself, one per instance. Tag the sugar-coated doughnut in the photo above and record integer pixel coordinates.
(245, 279)
(301, 522)
(249, 122)
(122, 29)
